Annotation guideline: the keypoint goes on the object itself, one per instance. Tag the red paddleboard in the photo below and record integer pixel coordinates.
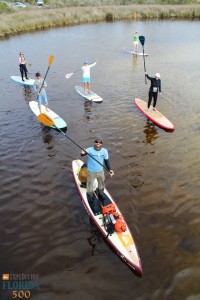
(155, 116)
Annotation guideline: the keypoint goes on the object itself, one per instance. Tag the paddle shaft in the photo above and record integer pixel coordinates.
(43, 81)
(51, 58)
(144, 67)
(142, 41)
(81, 148)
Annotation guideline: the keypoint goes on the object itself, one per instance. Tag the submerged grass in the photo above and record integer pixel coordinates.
(37, 19)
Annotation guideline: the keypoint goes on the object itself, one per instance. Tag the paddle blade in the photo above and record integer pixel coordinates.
(142, 40)
(67, 76)
(46, 120)
(51, 58)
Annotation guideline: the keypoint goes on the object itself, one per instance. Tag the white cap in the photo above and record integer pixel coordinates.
(157, 75)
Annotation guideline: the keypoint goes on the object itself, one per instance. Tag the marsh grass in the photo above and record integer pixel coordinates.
(37, 19)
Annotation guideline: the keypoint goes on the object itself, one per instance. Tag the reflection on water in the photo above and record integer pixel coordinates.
(150, 131)
(28, 94)
(44, 226)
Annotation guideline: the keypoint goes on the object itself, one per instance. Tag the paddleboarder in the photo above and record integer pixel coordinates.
(95, 170)
(86, 74)
(39, 86)
(154, 89)
(22, 66)
(135, 41)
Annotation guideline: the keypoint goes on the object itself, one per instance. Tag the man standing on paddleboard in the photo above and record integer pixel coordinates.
(39, 86)
(97, 157)
(154, 89)
(86, 74)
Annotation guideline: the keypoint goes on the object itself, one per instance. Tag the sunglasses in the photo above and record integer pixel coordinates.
(98, 142)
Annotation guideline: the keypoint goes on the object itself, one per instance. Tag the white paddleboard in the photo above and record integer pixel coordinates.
(89, 96)
(135, 53)
(122, 243)
(59, 122)
(18, 79)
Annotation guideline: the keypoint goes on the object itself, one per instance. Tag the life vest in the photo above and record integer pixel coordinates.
(120, 225)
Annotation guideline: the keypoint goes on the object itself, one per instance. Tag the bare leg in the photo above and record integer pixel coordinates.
(88, 84)
(46, 108)
(40, 109)
(84, 86)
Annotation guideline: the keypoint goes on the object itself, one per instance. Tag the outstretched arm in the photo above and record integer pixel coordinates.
(107, 163)
(94, 63)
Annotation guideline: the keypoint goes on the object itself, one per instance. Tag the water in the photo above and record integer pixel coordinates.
(45, 229)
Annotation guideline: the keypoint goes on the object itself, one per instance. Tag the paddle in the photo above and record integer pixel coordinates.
(68, 75)
(51, 58)
(142, 41)
(46, 120)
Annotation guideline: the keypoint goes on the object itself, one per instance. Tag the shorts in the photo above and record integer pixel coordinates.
(86, 79)
(42, 99)
(135, 43)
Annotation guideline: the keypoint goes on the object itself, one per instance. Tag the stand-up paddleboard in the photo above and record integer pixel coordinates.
(89, 96)
(122, 243)
(59, 122)
(155, 116)
(18, 79)
(135, 53)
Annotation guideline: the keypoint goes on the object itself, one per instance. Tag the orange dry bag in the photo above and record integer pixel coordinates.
(108, 209)
(120, 225)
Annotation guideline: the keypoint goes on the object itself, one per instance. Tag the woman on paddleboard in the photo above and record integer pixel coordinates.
(39, 86)
(86, 74)
(22, 66)
(135, 41)
(95, 169)
(154, 89)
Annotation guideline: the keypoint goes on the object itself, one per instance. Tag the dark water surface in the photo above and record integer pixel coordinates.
(44, 228)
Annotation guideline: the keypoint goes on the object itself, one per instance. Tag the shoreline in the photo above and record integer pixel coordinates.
(30, 20)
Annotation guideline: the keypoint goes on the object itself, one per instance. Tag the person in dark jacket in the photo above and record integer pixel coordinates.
(154, 89)
(22, 66)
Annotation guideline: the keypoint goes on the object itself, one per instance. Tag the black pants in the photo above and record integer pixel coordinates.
(23, 71)
(154, 96)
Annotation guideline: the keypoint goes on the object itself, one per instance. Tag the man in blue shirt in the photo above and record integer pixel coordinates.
(95, 169)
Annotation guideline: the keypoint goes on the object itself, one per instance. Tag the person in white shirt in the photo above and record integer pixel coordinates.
(86, 75)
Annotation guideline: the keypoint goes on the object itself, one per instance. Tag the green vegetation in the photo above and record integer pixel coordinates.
(68, 3)
(32, 18)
